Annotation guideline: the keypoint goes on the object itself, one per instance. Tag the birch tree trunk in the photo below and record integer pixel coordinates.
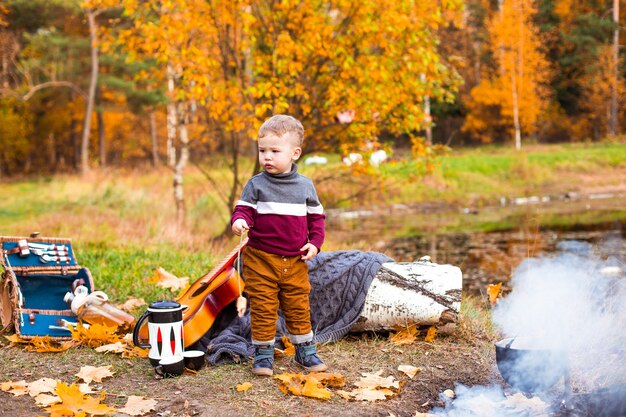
(154, 139)
(171, 119)
(420, 292)
(84, 148)
(613, 113)
(101, 138)
(181, 163)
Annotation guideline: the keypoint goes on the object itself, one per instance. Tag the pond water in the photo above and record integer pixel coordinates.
(487, 243)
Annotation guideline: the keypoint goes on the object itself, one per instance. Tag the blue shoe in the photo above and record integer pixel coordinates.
(263, 360)
(306, 356)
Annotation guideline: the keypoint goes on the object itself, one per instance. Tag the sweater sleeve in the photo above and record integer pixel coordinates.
(316, 219)
(245, 208)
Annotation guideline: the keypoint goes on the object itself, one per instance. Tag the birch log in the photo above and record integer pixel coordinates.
(421, 292)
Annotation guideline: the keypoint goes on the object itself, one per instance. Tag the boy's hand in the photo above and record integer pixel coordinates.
(239, 226)
(311, 251)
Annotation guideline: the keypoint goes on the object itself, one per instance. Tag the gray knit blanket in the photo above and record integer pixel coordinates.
(339, 284)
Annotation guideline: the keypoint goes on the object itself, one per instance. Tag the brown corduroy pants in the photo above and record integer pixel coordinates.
(273, 281)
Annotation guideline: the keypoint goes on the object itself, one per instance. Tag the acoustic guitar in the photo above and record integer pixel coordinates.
(207, 297)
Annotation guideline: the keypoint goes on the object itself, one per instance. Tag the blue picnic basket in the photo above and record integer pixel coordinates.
(37, 273)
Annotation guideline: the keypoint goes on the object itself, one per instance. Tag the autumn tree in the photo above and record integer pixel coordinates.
(241, 61)
(598, 89)
(515, 92)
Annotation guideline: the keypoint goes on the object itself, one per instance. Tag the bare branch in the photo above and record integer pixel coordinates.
(50, 84)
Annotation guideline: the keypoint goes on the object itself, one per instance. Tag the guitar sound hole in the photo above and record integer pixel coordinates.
(200, 289)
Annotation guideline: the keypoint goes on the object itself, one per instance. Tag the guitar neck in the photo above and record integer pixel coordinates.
(224, 263)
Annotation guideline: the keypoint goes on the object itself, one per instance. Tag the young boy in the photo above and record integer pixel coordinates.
(285, 220)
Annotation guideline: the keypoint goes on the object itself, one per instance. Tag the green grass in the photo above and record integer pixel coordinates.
(124, 271)
(123, 222)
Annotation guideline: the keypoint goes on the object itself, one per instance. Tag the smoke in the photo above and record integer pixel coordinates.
(491, 402)
(573, 303)
(564, 320)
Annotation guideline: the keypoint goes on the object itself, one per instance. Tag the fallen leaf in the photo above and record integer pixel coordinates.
(137, 406)
(404, 336)
(16, 388)
(430, 334)
(85, 388)
(409, 370)
(306, 385)
(44, 400)
(47, 344)
(132, 303)
(329, 379)
(290, 349)
(449, 393)
(135, 352)
(243, 387)
(493, 290)
(75, 403)
(117, 347)
(345, 394)
(91, 373)
(95, 335)
(165, 279)
(16, 339)
(369, 394)
(312, 388)
(41, 385)
(375, 380)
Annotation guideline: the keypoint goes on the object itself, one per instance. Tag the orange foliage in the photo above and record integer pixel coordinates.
(493, 290)
(520, 80)
(597, 89)
(245, 60)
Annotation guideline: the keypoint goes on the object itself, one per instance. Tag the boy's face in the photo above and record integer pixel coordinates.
(276, 153)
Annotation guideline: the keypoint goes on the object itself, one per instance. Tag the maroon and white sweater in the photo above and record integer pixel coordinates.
(283, 212)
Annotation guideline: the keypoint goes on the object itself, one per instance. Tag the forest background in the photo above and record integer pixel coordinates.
(117, 84)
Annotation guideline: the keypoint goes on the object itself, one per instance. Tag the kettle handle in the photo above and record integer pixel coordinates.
(136, 331)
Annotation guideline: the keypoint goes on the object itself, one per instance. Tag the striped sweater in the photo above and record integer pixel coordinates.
(283, 212)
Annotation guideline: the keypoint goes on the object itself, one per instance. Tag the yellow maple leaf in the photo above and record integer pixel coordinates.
(135, 352)
(329, 379)
(44, 400)
(75, 403)
(165, 279)
(16, 388)
(91, 373)
(313, 389)
(409, 370)
(16, 339)
(290, 349)
(137, 406)
(405, 335)
(117, 347)
(493, 290)
(430, 334)
(243, 387)
(306, 385)
(375, 380)
(345, 394)
(368, 394)
(94, 335)
(47, 344)
(132, 303)
(41, 385)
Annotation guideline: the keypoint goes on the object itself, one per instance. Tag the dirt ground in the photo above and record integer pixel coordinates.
(444, 363)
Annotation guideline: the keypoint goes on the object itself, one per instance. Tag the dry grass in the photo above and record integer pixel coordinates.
(210, 392)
